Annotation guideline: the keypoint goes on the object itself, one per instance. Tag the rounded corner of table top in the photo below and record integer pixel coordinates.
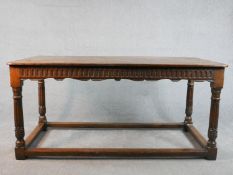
(9, 63)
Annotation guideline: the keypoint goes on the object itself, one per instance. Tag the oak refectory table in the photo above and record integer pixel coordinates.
(109, 67)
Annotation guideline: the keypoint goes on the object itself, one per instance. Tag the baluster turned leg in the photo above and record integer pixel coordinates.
(213, 122)
(19, 123)
(189, 104)
(42, 105)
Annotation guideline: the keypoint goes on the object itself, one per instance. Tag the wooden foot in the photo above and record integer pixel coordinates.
(20, 154)
(211, 154)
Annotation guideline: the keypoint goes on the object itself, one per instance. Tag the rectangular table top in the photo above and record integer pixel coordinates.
(116, 61)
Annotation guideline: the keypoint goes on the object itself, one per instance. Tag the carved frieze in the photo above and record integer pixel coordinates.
(116, 73)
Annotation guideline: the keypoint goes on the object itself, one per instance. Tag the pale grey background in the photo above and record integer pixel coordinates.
(116, 27)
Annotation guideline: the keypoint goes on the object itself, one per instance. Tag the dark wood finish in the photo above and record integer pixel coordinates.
(117, 73)
(117, 152)
(189, 104)
(116, 61)
(197, 135)
(42, 105)
(33, 135)
(213, 121)
(19, 123)
(101, 68)
(114, 125)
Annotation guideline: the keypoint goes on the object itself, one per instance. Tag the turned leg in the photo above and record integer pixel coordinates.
(189, 104)
(213, 122)
(19, 123)
(42, 106)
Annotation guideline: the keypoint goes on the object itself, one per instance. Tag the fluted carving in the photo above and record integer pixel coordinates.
(19, 134)
(212, 134)
(102, 73)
